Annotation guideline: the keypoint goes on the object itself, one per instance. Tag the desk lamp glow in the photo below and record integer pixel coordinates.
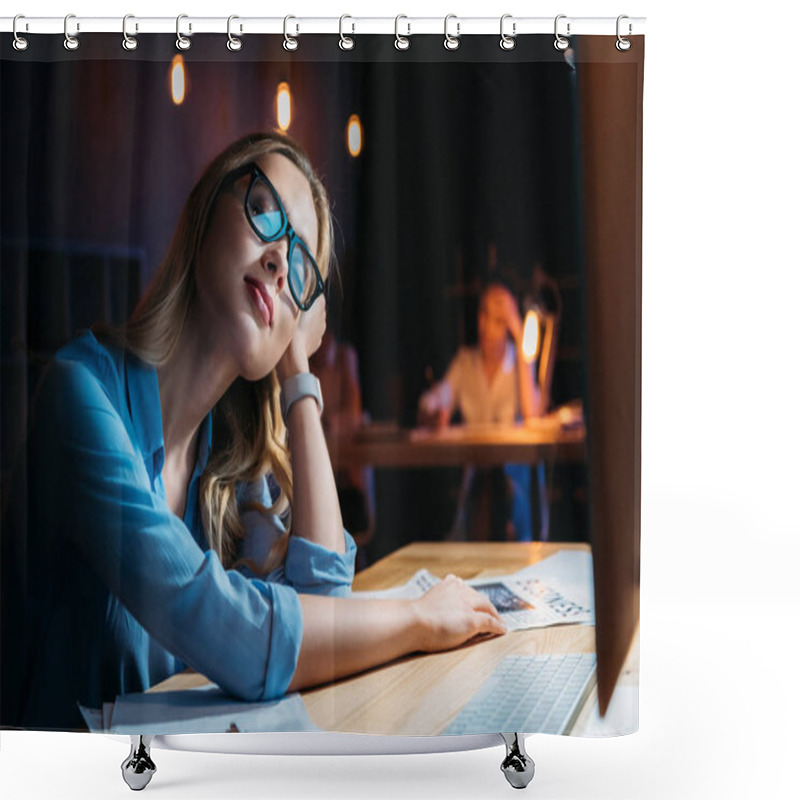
(530, 336)
(539, 343)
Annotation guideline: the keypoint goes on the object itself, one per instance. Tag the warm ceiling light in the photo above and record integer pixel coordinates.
(355, 138)
(178, 80)
(284, 102)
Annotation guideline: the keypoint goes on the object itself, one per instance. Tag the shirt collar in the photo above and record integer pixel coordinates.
(144, 403)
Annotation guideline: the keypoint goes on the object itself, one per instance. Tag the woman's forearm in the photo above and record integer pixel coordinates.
(315, 511)
(435, 405)
(343, 636)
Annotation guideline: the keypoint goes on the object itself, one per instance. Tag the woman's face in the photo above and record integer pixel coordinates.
(242, 290)
(492, 324)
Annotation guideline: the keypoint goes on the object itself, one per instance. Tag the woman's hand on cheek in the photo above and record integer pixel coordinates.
(513, 319)
(305, 342)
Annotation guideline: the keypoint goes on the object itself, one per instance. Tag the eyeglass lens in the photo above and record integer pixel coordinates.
(268, 217)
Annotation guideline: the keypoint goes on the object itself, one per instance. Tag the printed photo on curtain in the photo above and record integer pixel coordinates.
(321, 385)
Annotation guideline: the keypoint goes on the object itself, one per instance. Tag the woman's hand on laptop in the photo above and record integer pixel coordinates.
(451, 613)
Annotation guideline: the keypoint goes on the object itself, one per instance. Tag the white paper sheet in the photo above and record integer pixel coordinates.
(556, 591)
(569, 570)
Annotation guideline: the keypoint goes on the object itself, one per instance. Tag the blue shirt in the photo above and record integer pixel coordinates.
(116, 592)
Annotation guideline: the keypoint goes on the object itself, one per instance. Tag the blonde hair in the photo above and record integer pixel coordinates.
(250, 437)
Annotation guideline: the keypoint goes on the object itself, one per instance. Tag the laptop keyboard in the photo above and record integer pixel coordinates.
(529, 694)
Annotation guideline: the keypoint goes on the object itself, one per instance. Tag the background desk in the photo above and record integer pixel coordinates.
(422, 693)
(536, 440)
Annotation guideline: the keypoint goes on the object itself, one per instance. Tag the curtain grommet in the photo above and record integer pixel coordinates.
(129, 42)
(182, 42)
(234, 44)
(401, 42)
(507, 42)
(20, 42)
(71, 43)
(451, 42)
(561, 43)
(346, 42)
(290, 43)
(622, 44)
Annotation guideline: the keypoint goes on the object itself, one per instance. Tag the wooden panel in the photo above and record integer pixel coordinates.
(611, 85)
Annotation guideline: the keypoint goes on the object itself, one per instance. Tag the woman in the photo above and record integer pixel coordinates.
(160, 466)
(490, 384)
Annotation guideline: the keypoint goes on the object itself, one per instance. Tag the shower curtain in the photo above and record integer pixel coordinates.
(477, 382)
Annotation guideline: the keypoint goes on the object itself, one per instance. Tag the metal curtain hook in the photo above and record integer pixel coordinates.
(289, 42)
(182, 43)
(623, 44)
(129, 42)
(20, 42)
(451, 42)
(70, 42)
(234, 43)
(401, 42)
(561, 42)
(507, 42)
(346, 42)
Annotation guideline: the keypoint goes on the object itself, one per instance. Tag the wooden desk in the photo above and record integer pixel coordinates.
(535, 440)
(422, 693)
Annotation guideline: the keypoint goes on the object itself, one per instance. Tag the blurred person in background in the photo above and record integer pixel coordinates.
(489, 384)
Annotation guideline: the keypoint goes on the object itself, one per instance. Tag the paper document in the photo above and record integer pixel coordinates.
(563, 583)
(556, 591)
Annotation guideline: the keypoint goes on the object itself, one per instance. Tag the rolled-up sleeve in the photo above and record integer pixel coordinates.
(309, 567)
(313, 569)
(244, 635)
(285, 639)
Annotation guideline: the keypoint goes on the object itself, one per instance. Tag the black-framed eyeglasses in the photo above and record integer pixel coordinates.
(264, 210)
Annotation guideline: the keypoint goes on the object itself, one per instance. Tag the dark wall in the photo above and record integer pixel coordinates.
(465, 157)
(97, 152)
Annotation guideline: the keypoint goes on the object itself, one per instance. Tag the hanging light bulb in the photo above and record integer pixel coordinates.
(284, 105)
(530, 336)
(178, 80)
(355, 136)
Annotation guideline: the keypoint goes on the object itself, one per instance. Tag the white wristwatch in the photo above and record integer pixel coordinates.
(298, 386)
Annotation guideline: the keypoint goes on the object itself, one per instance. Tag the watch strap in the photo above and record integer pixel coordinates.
(304, 384)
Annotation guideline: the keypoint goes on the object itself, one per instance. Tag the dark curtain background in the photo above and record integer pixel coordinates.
(469, 172)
